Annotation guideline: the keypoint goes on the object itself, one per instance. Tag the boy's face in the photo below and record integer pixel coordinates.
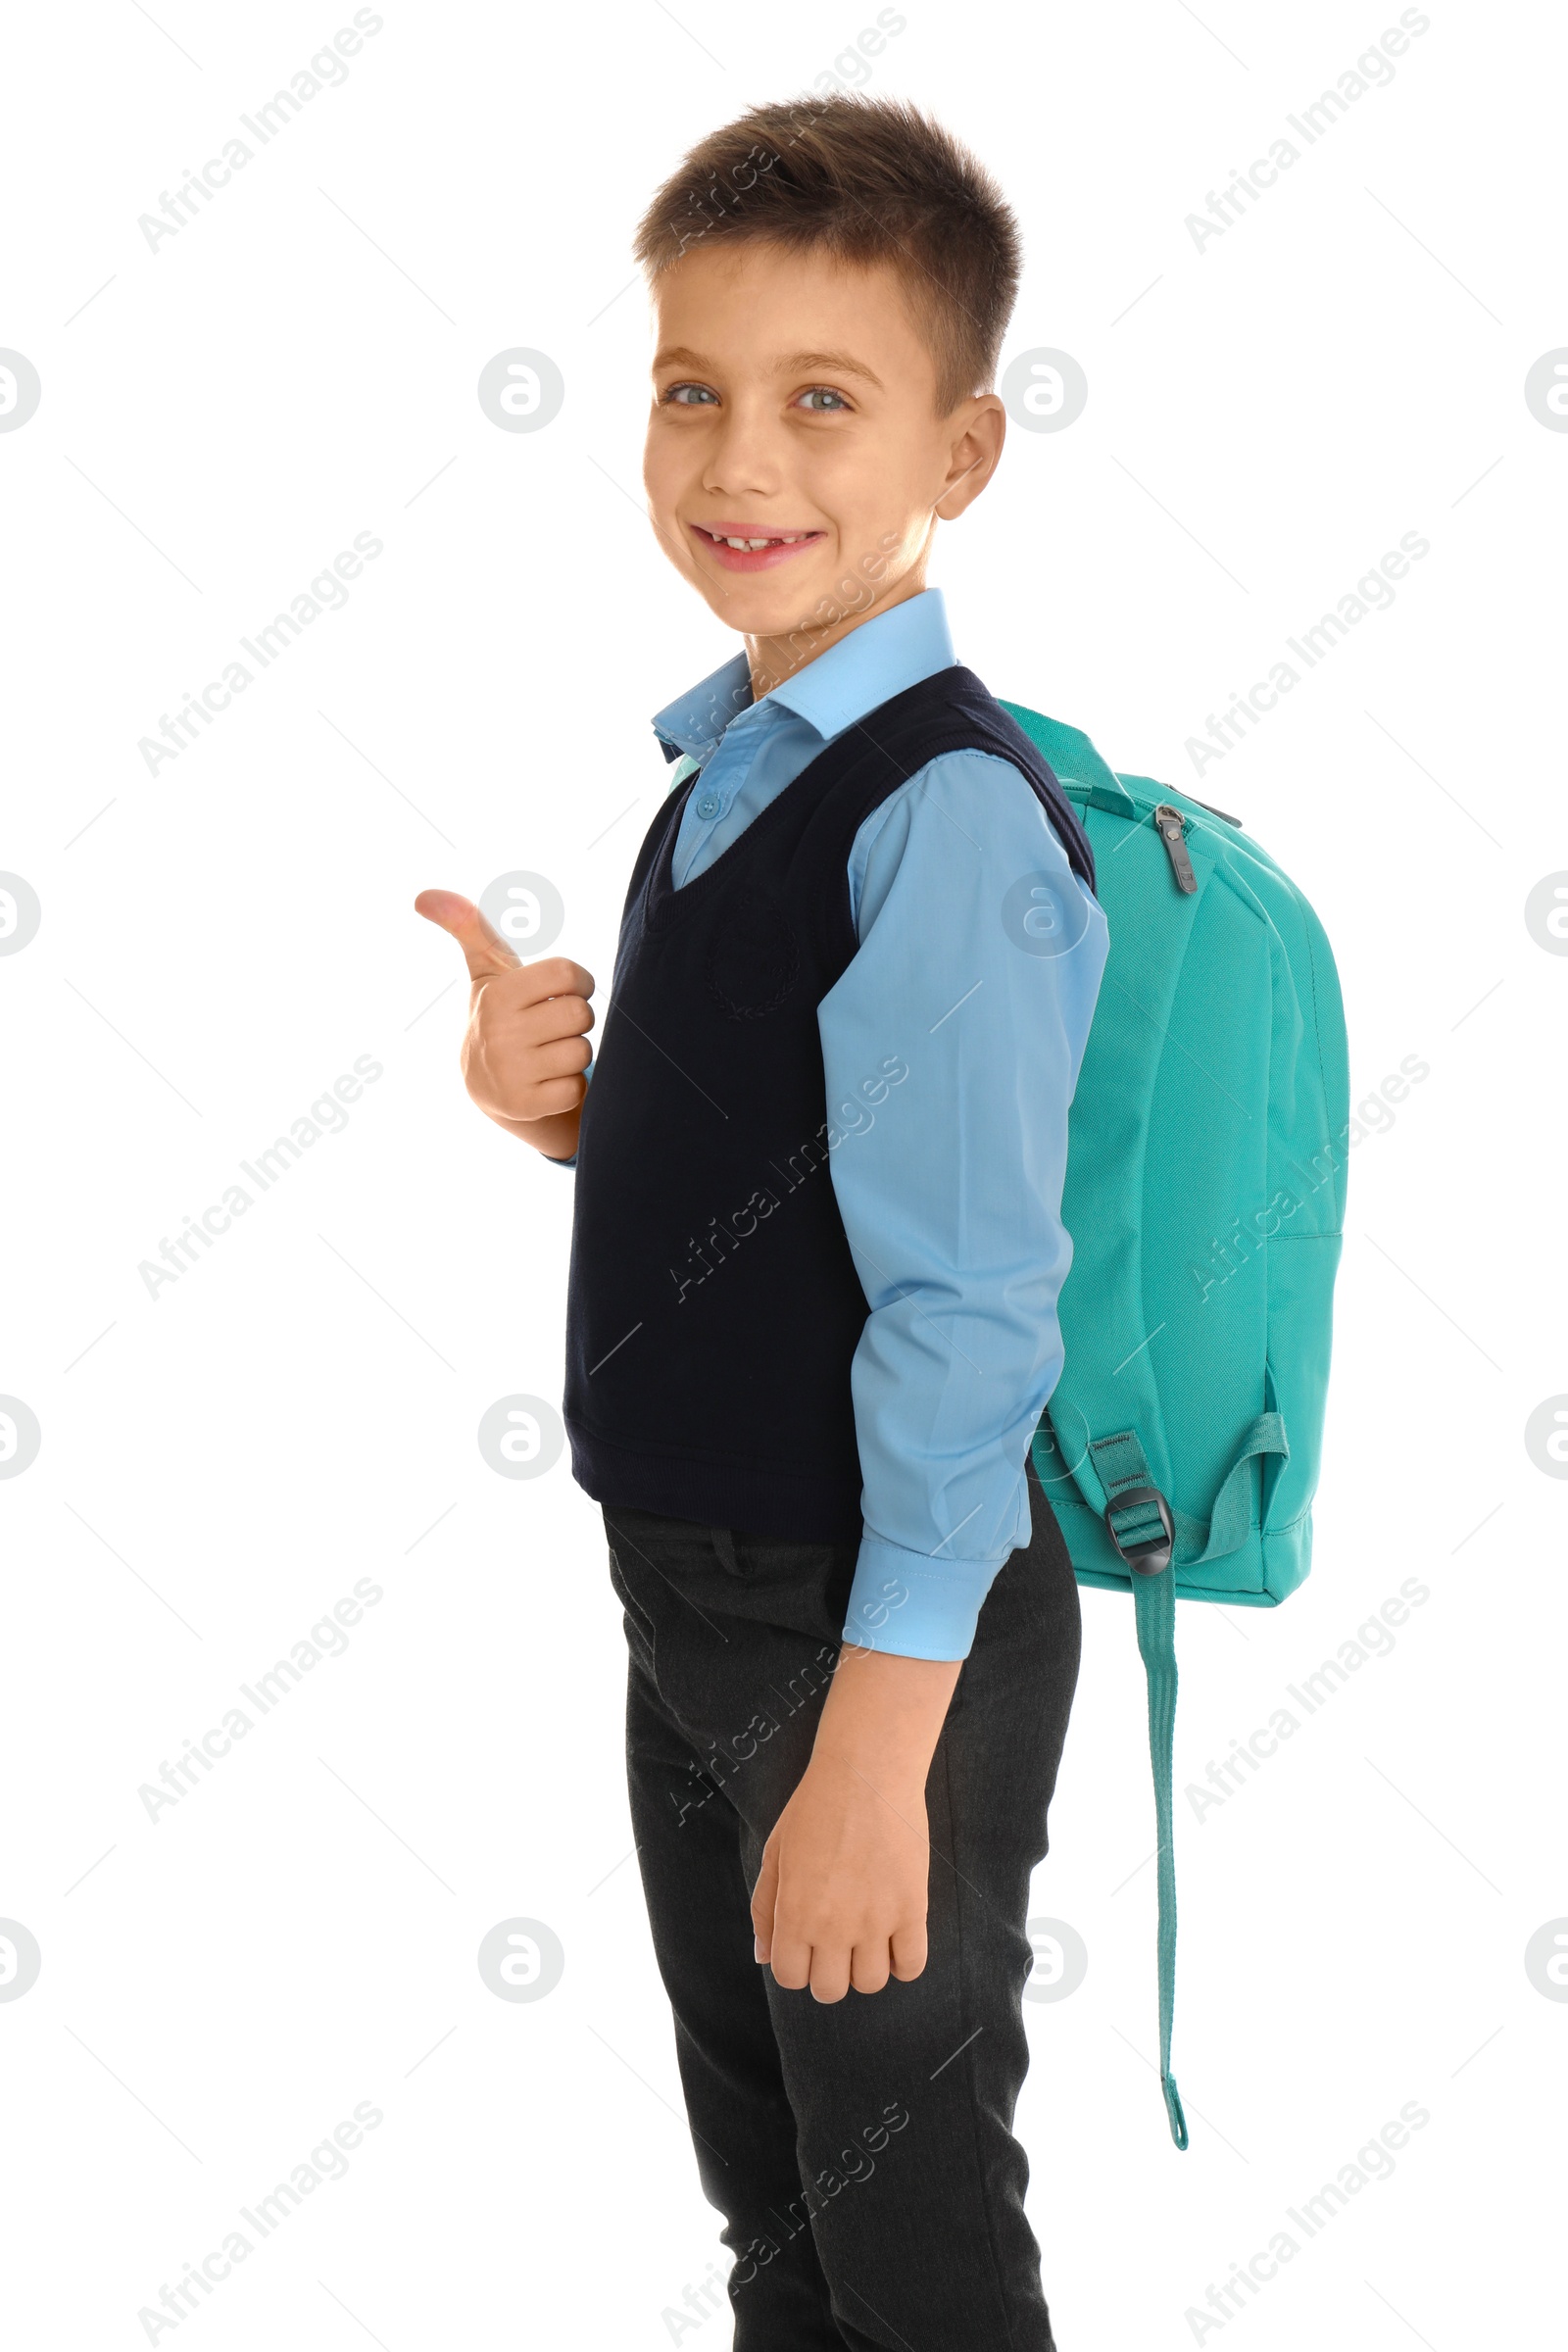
(795, 402)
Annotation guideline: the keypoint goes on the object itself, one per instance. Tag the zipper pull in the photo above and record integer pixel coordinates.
(1172, 831)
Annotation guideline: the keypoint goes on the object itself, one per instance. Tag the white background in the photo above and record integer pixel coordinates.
(220, 1463)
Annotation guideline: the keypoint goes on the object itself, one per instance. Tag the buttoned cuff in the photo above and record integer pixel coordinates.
(910, 1605)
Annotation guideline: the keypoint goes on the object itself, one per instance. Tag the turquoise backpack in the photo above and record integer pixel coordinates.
(1204, 1197)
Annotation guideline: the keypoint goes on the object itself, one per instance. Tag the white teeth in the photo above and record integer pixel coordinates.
(751, 546)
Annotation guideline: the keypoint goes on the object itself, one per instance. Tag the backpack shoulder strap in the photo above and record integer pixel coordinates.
(1073, 759)
(1124, 1470)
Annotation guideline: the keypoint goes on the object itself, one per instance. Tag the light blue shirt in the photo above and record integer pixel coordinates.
(950, 1185)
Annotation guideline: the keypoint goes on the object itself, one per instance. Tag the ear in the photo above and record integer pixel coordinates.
(977, 429)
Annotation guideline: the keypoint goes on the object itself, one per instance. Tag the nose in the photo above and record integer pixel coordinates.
(745, 458)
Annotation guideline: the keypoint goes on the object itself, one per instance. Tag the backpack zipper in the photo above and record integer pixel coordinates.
(1214, 811)
(1171, 827)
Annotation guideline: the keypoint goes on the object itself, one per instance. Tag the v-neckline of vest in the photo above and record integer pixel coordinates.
(665, 904)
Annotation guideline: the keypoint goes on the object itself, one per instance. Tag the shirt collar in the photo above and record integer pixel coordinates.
(880, 659)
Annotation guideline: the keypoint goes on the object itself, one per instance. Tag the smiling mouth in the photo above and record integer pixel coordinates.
(755, 543)
(739, 550)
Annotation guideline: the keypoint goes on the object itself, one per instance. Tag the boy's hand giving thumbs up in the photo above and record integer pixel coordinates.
(526, 1044)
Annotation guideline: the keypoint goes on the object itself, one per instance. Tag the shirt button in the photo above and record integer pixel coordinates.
(708, 805)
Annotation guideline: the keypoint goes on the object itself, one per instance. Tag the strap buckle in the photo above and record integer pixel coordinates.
(1147, 1558)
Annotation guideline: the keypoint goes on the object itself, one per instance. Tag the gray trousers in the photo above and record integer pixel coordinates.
(860, 2151)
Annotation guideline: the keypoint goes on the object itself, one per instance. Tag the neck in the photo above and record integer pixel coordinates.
(772, 660)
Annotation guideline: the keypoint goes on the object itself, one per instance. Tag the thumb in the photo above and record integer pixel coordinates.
(764, 1898)
(483, 947)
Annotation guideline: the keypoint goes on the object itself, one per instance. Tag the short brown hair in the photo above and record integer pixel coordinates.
(863, 180)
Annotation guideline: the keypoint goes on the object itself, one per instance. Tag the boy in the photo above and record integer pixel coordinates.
(818, 1246)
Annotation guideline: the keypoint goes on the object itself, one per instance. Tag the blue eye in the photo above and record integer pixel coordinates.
(823, 392)
(677, 396)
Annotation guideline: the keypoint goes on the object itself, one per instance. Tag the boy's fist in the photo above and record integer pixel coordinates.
(526, 1044)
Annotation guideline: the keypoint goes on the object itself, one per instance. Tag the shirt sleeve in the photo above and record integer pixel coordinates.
(952, 1046)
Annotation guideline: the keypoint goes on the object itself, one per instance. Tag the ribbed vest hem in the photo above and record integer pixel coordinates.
(760, 1498)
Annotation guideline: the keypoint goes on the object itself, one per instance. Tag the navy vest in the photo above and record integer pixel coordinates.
(714, 1306)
